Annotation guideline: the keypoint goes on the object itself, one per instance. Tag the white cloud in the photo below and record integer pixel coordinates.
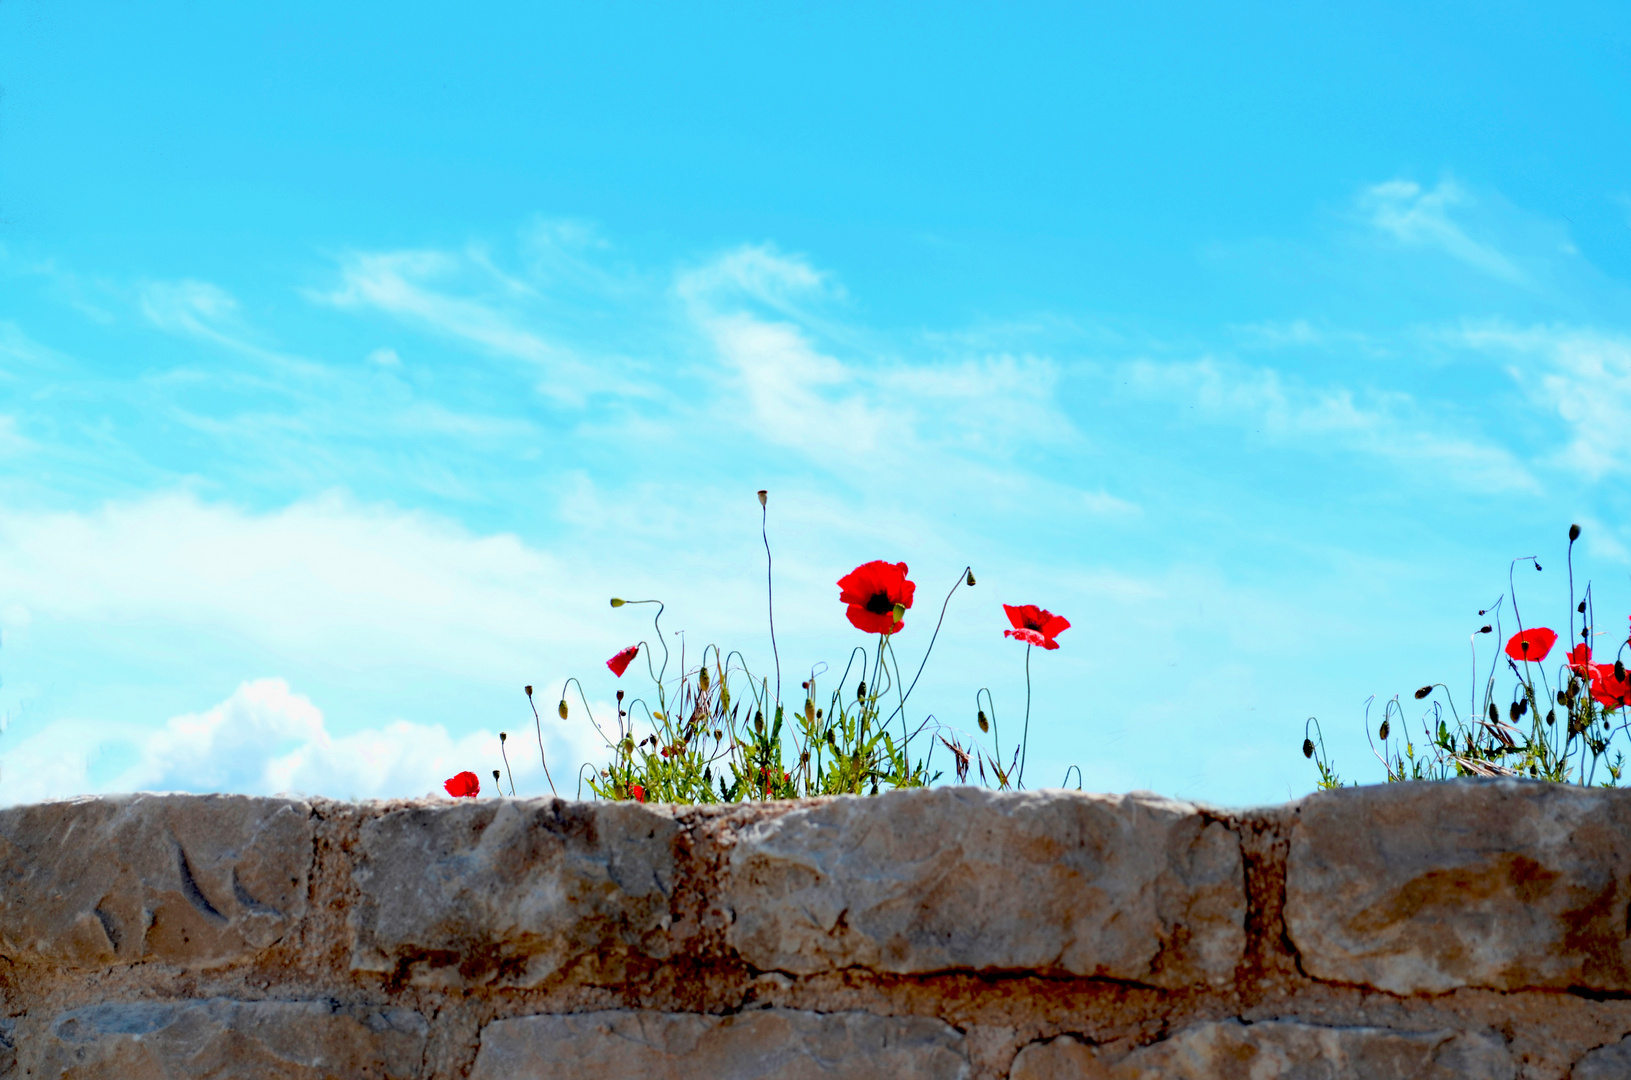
(361, 585)
(1387, 425)
(263, 740)
(1419, 218)
(1582, 375)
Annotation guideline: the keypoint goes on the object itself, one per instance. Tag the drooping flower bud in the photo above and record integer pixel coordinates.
(1574, 533)
(1308, 748)
(562, 709)
(985, 725)
(1423, 692)
(1383, 732)
(616, 602)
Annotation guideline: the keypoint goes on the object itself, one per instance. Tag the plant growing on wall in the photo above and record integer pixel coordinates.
(1562, 722)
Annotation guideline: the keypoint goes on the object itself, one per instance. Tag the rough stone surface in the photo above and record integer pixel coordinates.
(1134, 887)
(1611, 1062)
(228, 1039)
(1422, 888)
(1464, 930)
(180, 879)
(784, 1044)
(509, 892)
(1277, 1050)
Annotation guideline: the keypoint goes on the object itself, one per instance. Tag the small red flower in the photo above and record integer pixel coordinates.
(1034, 625)
(637, 793)
(1531, 644)
(1608, 690)
(463, 786)
(620, 663)
(872, 590)
(1580, 660)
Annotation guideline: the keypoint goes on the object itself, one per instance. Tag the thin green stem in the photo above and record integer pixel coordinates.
(1025, 735)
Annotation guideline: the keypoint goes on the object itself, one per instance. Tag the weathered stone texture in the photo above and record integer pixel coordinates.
(228, 1040)
(1422, 888)
(769, 1044)
(509, 892)
(1611, 1062)
(1277, 1050)
(1134, 887)
(181, 879)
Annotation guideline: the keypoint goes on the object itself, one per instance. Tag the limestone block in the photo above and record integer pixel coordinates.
(508, 892)
(1126, 887)
(1277, 1050)
(221, 1039)
(1611, 1062)
(769, 1044)
(1504, 884)
(189, 880)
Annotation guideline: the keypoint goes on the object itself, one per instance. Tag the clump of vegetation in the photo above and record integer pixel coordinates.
(1561, 723)
(714, 730)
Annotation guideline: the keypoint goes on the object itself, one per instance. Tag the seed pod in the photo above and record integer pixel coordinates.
(1486, 629)
(620, 696)
(562, 709)
(985, 725)
(1384, 730)
(809, 711)
(1423, 692)
(1308, 748)
(503, 735)
(495, 776)
(1574, 533)
(971, 579)
(528, 689)
(900, 614)
(763, 496)
(702, 680)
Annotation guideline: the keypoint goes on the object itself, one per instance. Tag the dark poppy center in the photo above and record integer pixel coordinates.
(1032, 624)
(880, 604)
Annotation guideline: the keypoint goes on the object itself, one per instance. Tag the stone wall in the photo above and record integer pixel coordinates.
(1472, 929)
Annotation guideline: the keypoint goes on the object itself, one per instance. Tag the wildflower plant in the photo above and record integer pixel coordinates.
(712, 729)
(1561, 722)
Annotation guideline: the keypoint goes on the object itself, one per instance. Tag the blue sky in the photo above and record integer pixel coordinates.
(350, 360)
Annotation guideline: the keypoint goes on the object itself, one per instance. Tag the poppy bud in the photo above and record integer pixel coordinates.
(1486, 628)
(763, 496)
(1551, 717)
(1383, 733)
(562, 709)
(1423, 692)
(1513, 712)
(818, 714)
(1619, 670)
(1537, 566)
(860, 691)
(528, 689)
(971, 579)
(985, 725)
(502, 736)
(702, 680)
(809, 711)
(620, 695)
(1574, 533)
(1523, 706)
(1585, 632)
(618, 603)
(804, 758)
(1308, 748)
(1581, 608)
(900, 614)
(1494, 713)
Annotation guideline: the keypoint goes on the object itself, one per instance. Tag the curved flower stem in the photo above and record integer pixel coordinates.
(962, 575)
(539, 725)
(1025, 735)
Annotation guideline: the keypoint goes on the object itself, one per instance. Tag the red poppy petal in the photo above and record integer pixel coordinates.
(1027, 635)
(463, 785)
(1054, 625)
(620, 663)
(1531, 644)
(1049, 643)
(872, 622)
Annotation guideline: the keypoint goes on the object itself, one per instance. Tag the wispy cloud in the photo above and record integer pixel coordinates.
(1583, 375)
(201, 310)
(1389, 425)
(1417, 217)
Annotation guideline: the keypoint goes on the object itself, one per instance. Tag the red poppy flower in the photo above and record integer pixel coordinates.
(1580, 660)
(637, 793)
(1608, 690)
(1531, 644)
(1034, 625)
(620, 663)
(872, 590)
(463, 786)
